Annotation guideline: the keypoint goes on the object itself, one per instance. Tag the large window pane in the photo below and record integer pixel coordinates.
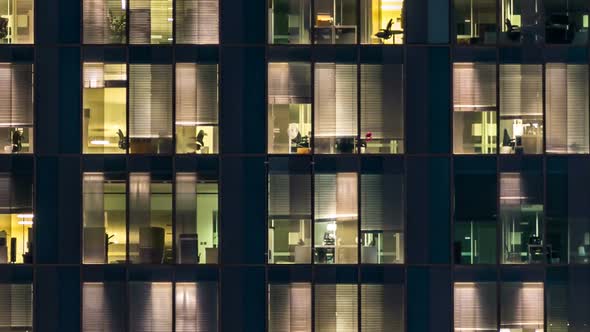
(196, 218)
(103, 307)
(196, 306)
(335, 107)
(336, 308)
(475, 21)
(150, 218)
(17, 22)
(522, 307)
(475, 306)
(521, 21)
(566, 102)
(382, 307)
(566, 21)
(289, 107)
(521, 109)
(474, 108)
(105, 21)
(104, 114)
(151, 22)
(197, 123)
(289, 21)
(197, 21)
(16, 218)
(16, 108)
(105, 233)
(150, 108)
(382, 22)
(16, 307)
(382, 108)
(335, 21)
(289, 307)
(150, 306)
(568, 299)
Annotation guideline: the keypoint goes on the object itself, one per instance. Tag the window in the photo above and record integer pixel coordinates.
(336, 308)
(475, 22)
(151, 22)
(474, 108)
(382, 22)
(289, 108)
(150, 108)
(335, 21)
(382, 108)
(475, 306)
(197, 124)
(104, 118)
(289, 307)
(336, 218)
(150, 306)
(196, 217)
(568, 299)
(103, 306)
(16, 217)
(566, 103)
(289, 21)
(105, 21)
(521, 108)
(521, 21)
(150, 218)
(16, 107)
(104, 205)
(566, 21)
(522, 306)
(382, 307)
(335, 119)
(17, 20)
(289, 212)
(16, 307)
(196, 306)
(197, 21)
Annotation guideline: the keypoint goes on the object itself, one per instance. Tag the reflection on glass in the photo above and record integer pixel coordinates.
(16, 108)
(197, 127)
(566, 21)
(522, 307)
(336, 308)
(17, 22)
(16, 218)
(335, 22)
(105, 21)
(475, 21)
(105, 235)
(289, 108)
(289, 307)
(475, 307)
(289, 22)
(336, 218)
(521, 109)
(382, 22)
(196, 218)
(150, 218)
(151, 22)
(104, 119)
(521, 20)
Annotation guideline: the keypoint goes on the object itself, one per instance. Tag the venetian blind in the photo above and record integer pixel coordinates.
(289, 307)
(150, 100)
(197, 21)
(382, 101)
(98, 17)
(150, 306)
(521, 90)
(103, 307)
(16, 95)
(475, 306)
(474, 87)
(16, 193)
(382, 202)
(16, 306)
(196, 94)
(289, 194)
(335, 195)
(196, 307)
(382, 308)
(335, 100)
(567, 108)
(151, 22)
(289, 83)
(336, 308)
(522, 306)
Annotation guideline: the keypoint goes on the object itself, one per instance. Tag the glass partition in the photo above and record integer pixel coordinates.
(16, 218)
(150, 22)
(566, 21)
(382, 22)
(17, 22)
(475, 22)
(16, 108)
(289, 21)
(335, 22)
(105, 21)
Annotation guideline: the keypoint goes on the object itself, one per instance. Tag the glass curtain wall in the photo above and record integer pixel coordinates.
(289, 21)
(336, 307)
(382, 22)
(16, 108)
(16, 217)
(566, 21)
(16, 307)
(522, 307)
(103, 306)
(475, 307)
(475, 22)
(335, 22)
(382, 307)
(289, 307)
(521, 21)
(150, 22)
(17, 22)
(105, 21)
(197, 21)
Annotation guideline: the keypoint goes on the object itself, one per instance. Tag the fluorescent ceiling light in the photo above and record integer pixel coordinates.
(391, 7)
(99, 142)
(25, 216)
(27, 222)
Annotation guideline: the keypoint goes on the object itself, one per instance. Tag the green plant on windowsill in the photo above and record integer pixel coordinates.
(3, 28)
(117, 26)
(302, 145)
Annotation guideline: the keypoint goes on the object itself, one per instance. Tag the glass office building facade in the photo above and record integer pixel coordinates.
(294, 165)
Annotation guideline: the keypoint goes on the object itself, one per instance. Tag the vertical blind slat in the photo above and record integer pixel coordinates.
(196, 93)
(197, 21)
(335, 100)
(289, 83)
(150, 100)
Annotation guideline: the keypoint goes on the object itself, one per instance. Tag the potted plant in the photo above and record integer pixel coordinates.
(117, 26)
(303, 145)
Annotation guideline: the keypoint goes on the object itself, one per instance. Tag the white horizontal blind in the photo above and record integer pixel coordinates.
(382, 202)
(336, 308)
(16, 95)
(5, 193)
(289, 83)
(475, 306)
(289, 307)
(335, 100)
(196, 94)
(150, 306)
(511, 190)
(289, 194)
(522, 305)
(103, 307)
(382, 101)
(16, 307)
(335, 195)
(150, 100)
(382, 308)
(197, 21)
(474, 87)
(99, 19)
(521, 89)
(196, 307)
(567, 108)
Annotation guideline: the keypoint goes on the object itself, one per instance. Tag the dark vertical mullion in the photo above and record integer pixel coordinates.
(174, 299)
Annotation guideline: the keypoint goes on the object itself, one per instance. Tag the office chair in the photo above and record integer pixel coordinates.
(387, 33)
(123, 145)
(513, 30)
(17, 141)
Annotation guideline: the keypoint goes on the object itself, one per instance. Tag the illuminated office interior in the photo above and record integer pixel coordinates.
(335, 22)
(150, 22)
(566, 21)
(17, 22)
(382, 22)
(17, 110)
(475, 22)
(289, 22)
(17, 219)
